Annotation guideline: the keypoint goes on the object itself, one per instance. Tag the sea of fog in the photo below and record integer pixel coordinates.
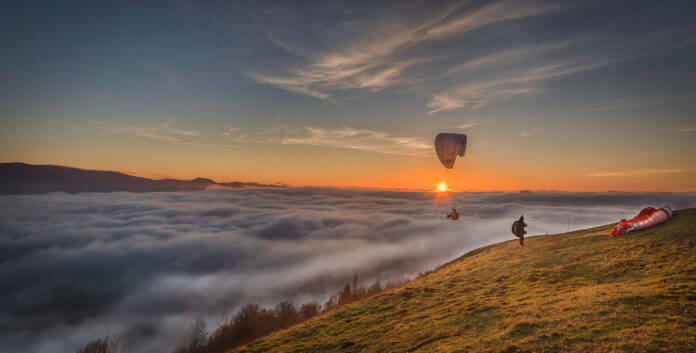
(144, 265)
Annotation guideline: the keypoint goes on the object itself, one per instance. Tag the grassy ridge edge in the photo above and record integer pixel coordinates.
(576, 291)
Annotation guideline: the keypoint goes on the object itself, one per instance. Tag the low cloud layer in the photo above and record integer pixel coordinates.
(142, 266)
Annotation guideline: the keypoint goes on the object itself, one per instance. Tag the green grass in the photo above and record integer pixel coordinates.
(578, 291)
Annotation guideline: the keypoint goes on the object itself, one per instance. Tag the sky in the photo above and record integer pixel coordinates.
(553, 95)
(142, 266)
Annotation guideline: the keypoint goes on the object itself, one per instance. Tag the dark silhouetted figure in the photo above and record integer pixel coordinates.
(454, 215)
(518, 229)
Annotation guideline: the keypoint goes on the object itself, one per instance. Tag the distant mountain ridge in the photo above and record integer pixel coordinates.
(22, 178)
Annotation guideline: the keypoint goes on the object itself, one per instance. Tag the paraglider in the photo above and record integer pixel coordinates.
(518, 229)
(646, 218)
(448, 146)
(454, 215)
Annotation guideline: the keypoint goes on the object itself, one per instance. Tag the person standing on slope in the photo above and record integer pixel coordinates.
(518, 229)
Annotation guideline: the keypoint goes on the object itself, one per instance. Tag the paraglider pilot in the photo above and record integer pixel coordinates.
(454, 215)
(518, 229)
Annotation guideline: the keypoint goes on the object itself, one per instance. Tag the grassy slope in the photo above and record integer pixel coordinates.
(579, 291)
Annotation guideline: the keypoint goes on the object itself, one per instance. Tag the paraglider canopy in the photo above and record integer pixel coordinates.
(448, 146)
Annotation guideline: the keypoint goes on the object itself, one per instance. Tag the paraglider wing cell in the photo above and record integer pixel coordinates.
(448, 146)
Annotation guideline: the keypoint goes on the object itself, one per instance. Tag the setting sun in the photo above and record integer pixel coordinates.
(442, 187)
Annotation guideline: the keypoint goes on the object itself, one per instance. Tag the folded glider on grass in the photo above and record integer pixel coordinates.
(646, 218)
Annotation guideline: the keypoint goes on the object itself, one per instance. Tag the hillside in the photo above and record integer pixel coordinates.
(21, 178)
(578, 291)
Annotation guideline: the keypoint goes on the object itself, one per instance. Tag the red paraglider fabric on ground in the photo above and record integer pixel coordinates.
(644, 213)
(625, 226)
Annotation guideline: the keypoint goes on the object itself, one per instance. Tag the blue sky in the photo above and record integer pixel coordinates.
(603, 91)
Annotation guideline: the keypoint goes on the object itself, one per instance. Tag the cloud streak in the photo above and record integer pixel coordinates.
(529, 133)
(343, 137)
(164, 131)
(632, 103)
(388, 51)
(75, 267)
(645, 172)
(413, 49)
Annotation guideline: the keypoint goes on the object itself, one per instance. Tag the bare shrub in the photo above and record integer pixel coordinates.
(106, 344)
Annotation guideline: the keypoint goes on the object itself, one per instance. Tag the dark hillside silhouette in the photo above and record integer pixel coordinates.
(21, 178)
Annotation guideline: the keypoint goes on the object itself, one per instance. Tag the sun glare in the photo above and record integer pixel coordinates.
(442, 187)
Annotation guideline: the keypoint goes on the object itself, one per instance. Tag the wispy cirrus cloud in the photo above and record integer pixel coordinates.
(164, 131)
(469, 124)
(529, 133)
(298, 85)
(285, 134)
(507, 56)
(631, 103)
(521, 79)
(644, 172)
(342, 137)
(454, 55)
(490, 14)
(690, 74)
(388, 50)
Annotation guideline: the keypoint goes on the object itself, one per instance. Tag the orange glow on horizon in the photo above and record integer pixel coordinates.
(299, 166)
